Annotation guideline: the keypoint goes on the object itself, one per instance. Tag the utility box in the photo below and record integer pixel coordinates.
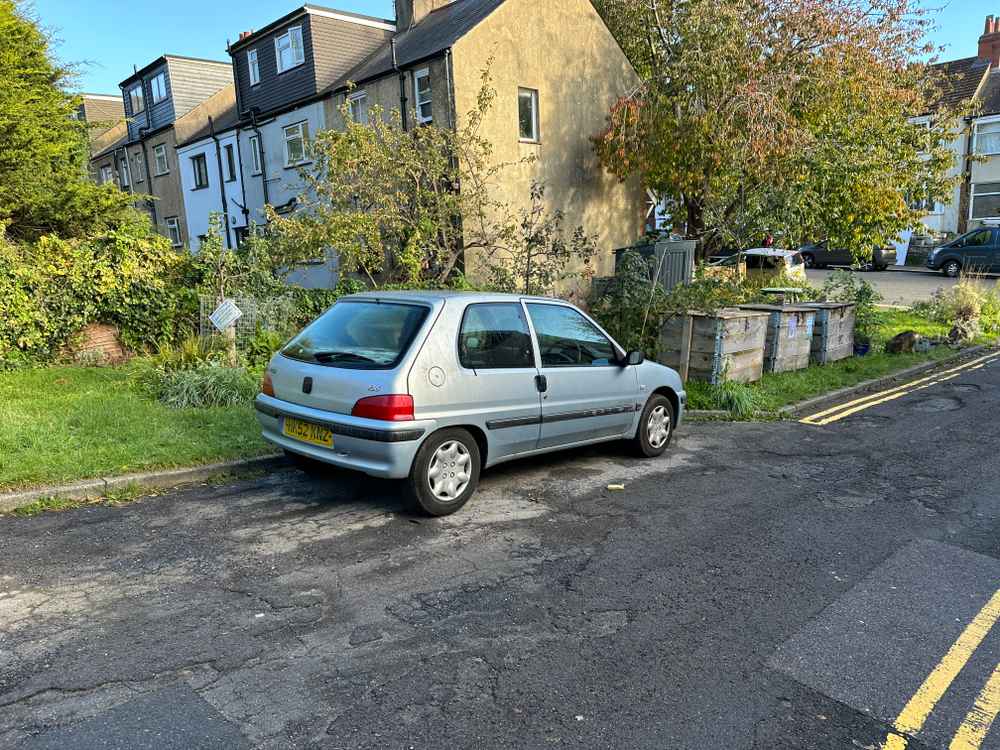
(833, 334)
(671, 261)
(789, 336)
(724, 345)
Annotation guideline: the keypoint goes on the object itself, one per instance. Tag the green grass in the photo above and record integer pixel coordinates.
(777, 390)
(63, 424)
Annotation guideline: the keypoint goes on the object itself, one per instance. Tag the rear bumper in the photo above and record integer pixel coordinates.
(379, 449)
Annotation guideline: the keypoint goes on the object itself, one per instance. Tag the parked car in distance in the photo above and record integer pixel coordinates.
(437, 386)
(978, 250)
(764, 262)
(821, 255)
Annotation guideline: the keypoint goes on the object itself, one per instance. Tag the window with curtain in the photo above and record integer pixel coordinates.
(988, 138)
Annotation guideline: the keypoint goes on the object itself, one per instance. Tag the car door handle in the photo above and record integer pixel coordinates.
(541, 383)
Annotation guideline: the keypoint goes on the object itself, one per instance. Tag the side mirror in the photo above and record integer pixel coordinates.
(634, 358)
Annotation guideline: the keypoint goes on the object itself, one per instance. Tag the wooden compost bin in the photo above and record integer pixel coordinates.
(833, 335)
(789, 336)
(725, 345)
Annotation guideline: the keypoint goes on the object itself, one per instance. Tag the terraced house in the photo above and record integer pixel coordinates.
(141, 156)
(556, 68)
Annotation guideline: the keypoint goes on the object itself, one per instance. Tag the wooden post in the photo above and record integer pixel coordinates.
(686, 336)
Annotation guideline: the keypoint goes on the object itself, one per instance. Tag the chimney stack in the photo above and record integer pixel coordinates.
(245, 34)
(989, 42)
(411, 12)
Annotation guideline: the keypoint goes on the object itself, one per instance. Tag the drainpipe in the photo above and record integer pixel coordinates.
(243, 183)
(450, 83)
(222, 180)
(402, 84)
(260, 148)
(149, 176)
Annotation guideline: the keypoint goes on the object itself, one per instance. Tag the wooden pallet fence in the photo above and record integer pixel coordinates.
(789, 336)
(724, 345)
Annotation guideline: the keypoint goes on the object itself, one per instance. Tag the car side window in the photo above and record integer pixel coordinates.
(567, 339)
(495, 336)
(979, 239)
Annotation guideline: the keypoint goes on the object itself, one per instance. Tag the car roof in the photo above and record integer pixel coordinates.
(770, 252)
(441, 295)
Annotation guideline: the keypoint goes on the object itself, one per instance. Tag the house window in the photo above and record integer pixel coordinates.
(106, 174)
(527, 115)
(288, 49)
(174, 231)
(135, 99)
(359, 108)
(986, 200)
(422, 87)
(140, 169)
(230, 163)
(254, 66)
(255, 160)
(988, 138)
(160, 159)
(123, 174)
(296, 139)
(199, 165)
(158, 86)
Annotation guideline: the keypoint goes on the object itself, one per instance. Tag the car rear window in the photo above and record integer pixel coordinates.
(357, 335)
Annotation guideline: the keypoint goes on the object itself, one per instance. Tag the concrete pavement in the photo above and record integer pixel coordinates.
(763, 586)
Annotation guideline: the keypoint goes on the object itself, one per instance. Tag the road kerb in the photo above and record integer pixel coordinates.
(165, 478)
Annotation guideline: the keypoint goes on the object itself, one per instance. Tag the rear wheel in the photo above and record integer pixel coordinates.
(951, 269)
(445, 473)
(809, 259)
(656, 427)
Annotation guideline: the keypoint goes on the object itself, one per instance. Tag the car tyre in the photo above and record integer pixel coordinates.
(951, 269)
(445, 473)
(809, 259)
(650, 439)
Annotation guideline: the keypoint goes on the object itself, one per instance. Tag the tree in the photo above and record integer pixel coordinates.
(407, 207)
(791, 117)
(43, 148)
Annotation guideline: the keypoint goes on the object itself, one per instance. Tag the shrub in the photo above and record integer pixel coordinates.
(844, 286)
(262, 347)
(970, 305)
(189, 353)
(204, 387)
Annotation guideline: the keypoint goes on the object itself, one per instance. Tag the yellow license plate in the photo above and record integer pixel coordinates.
(307, 432)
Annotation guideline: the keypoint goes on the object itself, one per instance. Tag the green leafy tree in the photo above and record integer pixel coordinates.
(791, 117)
(43, 149)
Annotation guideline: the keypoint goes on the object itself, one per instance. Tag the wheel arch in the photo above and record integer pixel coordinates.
(478, 434)
(671, 394)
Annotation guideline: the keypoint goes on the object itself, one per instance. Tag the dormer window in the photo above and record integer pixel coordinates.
(136, 100)
(253, 65)
(158, 85)
(289, 50)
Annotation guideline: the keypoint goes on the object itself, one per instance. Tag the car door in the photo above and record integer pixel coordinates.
(977, 250)
(495, 347)
(587, 394)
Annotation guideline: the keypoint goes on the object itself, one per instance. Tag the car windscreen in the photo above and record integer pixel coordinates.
(359, 335)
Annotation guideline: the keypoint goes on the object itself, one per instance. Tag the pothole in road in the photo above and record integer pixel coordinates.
(848, 501)
(938, 404)
(868, 420)
(965, 388)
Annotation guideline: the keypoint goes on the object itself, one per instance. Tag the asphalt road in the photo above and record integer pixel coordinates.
(769, 586)
(898, 285)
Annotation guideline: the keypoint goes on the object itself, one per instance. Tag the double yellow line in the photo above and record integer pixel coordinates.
(836, 413)
(980, 718)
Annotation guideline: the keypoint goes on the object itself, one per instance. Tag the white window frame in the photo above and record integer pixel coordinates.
(107, 174)
(124, 173)
(136, 93)
(289, 37)
(536, 136)
(302, 129)
(253, 65)
(159, 81)
(972, 201)
(256, 167)
(975, 135)
(173, 225)
(140, 172)
(359, 101)
(419, 75)
(158, 151)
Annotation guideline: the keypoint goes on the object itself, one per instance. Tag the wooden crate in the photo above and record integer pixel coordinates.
(833, 335)
(789, 336)
(726, 345)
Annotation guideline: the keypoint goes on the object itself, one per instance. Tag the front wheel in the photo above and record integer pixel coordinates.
(656, 427)
(809, 259)
(951, 269)
(445, 473)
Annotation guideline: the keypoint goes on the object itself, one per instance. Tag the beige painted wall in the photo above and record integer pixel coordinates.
(562, 49)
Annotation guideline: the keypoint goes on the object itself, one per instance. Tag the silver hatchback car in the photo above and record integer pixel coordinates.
(437, 386)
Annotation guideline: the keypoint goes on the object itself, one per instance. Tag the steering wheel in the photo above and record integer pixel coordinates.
(563, 352)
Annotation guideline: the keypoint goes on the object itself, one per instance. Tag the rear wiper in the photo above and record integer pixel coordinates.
(341, 357)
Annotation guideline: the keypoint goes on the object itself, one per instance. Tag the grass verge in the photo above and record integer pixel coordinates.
(65, 424)
(781, 389)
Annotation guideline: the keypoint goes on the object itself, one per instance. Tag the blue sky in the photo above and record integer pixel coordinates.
(110, 36)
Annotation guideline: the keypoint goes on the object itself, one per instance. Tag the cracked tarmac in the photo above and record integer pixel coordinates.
(285, 612)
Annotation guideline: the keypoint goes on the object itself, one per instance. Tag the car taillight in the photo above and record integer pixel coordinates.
(266, 386)
(395, 408)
